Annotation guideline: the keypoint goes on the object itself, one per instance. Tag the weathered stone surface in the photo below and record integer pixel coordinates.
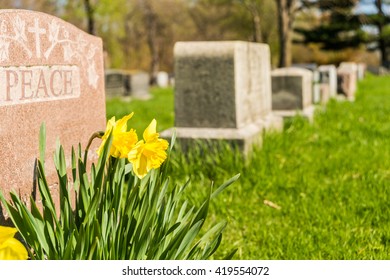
(139, 84)
(51, 72)
(222, 85)
(162, 79)
(291, 88)
(328, 76)
(309, 66)
(316, 87)
(117, 83)
(347, 79)
(292, 91)
(361, 70)
(120, 83)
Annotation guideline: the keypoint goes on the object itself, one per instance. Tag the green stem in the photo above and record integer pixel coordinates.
(98, 134)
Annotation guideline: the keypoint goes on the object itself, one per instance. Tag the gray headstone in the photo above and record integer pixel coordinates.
(292, 91)
(223, 91)
(117, 83)
(361, 70)
(162, 79)
(120, 83)
(328, 77)
(347, 79)
(139, 85)
(308, 66)
(316, 87)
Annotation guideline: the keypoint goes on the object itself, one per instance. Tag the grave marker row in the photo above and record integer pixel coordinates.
(51, 72)
(223, 90)
(120, 83)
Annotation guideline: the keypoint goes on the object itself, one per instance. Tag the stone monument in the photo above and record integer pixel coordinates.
(292, 92)
(222, 91)
(51, 72)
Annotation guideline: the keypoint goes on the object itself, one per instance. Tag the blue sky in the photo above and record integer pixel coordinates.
(370, 8)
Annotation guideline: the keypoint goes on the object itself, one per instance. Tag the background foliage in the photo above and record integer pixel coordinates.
(140, 34)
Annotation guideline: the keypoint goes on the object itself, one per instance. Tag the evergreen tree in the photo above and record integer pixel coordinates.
(339, 27)
(381, 21)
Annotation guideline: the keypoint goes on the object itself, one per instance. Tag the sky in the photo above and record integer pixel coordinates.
(370, 8)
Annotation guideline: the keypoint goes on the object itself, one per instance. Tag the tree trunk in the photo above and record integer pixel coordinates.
(257, 28)
(150, 18)
(256, 20)
(89, 10)
(381, 41)
(286, 15)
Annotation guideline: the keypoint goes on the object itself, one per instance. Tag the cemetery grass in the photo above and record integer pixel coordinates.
(328, 183)
(159, 106)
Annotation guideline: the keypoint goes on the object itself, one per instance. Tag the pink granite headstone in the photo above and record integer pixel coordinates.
(51, 72)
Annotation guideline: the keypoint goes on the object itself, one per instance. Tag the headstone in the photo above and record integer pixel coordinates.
(51, 72)
(292, 92)
(139, 85)
(361, 70)
(316, 80)
(127, 83)
(316, 87)
(223, 91)
(347, 79)
(162, 79)
(328, 80)
(309, 66)
(172, 81)
(117, 83)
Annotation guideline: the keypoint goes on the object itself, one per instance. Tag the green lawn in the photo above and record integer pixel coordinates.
(331, 180)
(160, 107)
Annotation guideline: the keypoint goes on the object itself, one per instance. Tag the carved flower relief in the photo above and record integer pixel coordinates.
(3, 27)
(66, 34)
(4, 44)
(4, 50)
(92, 74)
(91, 52)
(19, 26)
(68, 51)
(81, 43)
(54, 30)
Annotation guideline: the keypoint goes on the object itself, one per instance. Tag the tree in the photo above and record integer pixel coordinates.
(90, 13)
(381, 21)
(261, 14)
(342, 25)
(287, 10)
(339, 27)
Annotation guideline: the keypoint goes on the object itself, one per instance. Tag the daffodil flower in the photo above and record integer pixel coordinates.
(149, 153)
(123, 141)
(11, 248)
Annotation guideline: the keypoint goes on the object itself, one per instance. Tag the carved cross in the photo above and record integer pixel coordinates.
(38, 31)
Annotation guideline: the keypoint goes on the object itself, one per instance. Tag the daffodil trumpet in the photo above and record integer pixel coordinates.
(144, 155)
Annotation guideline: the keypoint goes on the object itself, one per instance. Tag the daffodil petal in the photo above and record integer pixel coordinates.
(121, 125)
(150, 131)
(6, 233)
(12, 249)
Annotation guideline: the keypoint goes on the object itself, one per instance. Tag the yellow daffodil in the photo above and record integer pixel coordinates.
(123, 141)
(149, 153)
(11, 248)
